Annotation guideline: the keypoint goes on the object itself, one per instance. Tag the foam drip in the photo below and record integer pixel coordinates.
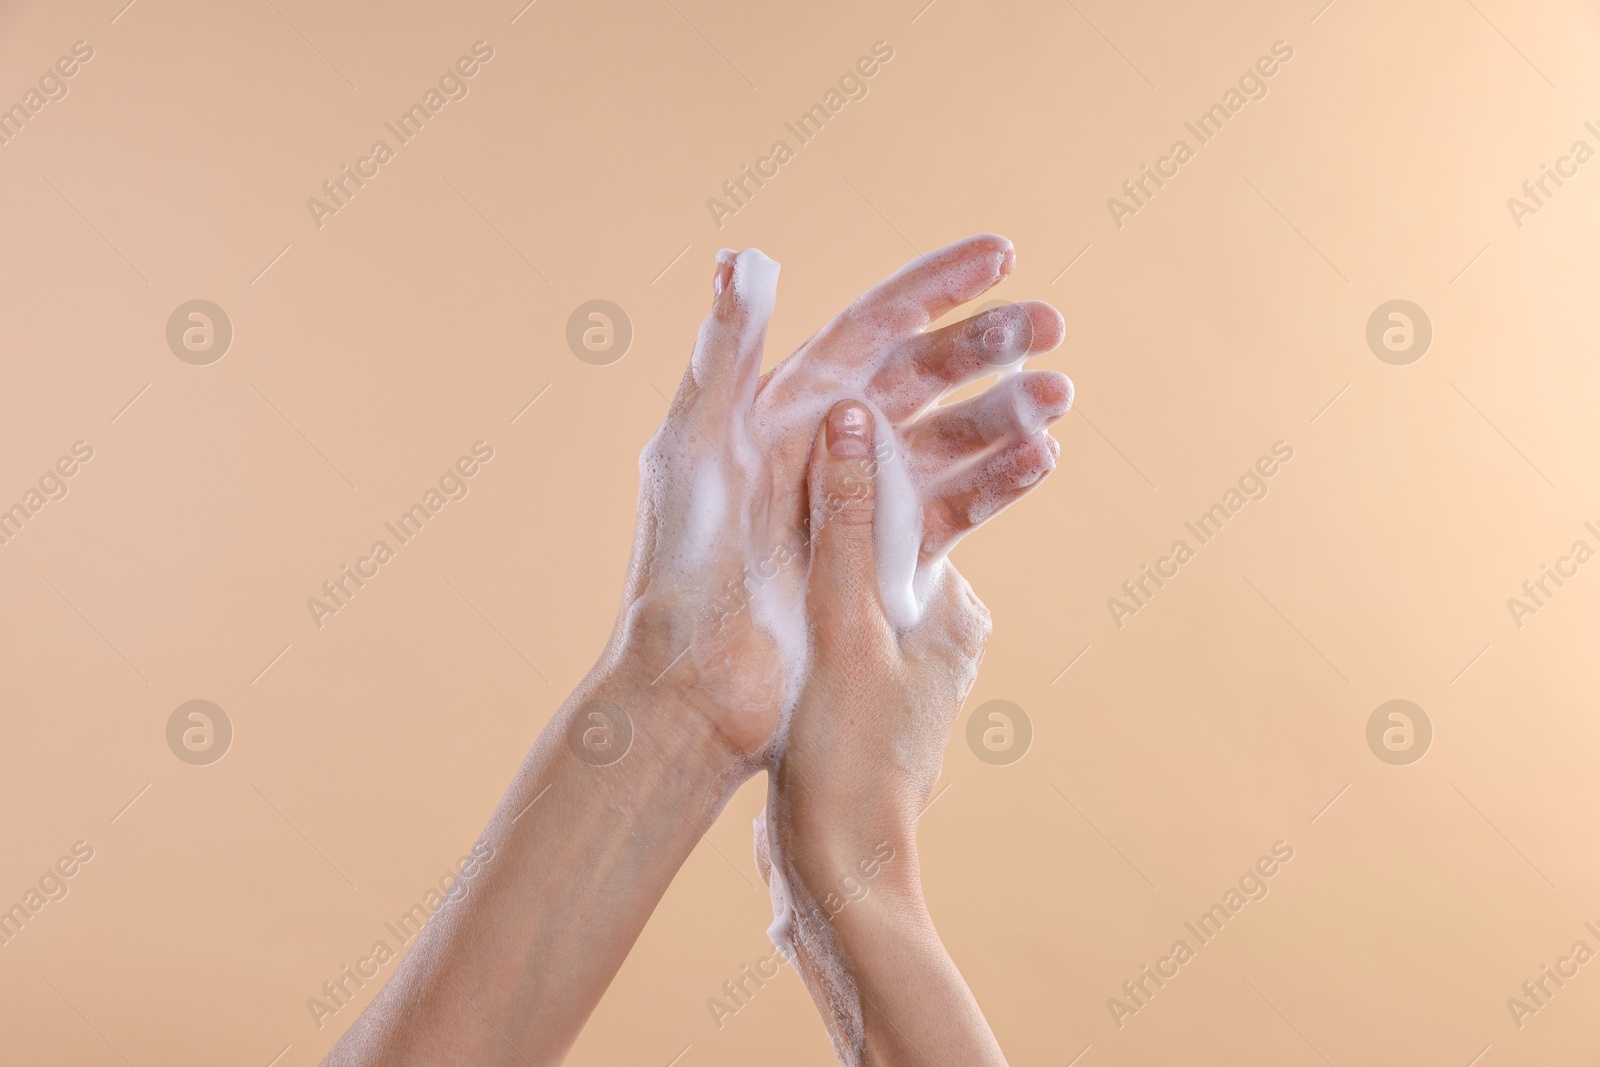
(789, 933)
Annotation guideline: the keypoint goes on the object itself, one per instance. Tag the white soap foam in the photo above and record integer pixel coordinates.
(897, 534)
(755, 281)
(791, 933)
(706, 516)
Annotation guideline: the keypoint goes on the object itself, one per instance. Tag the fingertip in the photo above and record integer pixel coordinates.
(996, 251)
(992, 244)
(746, 291)
(1049, 325)
(1046, 396)
(1051, 392)
(745, 283)
(726, 364)
(843, 502)
(1031, 463)
(755, 273)
(848, 430)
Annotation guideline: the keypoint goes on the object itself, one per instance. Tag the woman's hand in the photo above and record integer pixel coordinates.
(863, 751)
(867, 740)
(699, 479)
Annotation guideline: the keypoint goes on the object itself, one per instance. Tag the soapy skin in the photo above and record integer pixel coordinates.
(735, 630)
(940, 468)
(936, 473)
(723, 499)
(859, 765)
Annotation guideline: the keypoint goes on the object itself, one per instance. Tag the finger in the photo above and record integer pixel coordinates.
(975, 495)
(700, 461)
(1013, 410)
(727, 355)
(927, 366)
(843, 578)
(920, 292)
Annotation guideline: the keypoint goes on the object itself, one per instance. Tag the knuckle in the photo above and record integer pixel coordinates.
(973, 628)
(849, 622)
(848, 504)
(850, 515)
(731, 312)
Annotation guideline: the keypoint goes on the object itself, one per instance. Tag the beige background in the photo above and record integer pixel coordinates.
(1225, 316)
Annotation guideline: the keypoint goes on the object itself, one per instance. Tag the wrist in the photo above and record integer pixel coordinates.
(620, 723)
(726, 685)
(832, 830)
(844, 867)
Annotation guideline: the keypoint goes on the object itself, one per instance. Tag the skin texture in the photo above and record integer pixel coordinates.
(592, 829)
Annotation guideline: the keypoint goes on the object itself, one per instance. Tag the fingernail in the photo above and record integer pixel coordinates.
(848, 427)
(723, 272)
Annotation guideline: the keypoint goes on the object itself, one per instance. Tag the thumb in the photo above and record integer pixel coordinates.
(844, 502)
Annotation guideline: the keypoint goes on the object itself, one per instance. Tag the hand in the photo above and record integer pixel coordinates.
(837, 841)
(867, 740)
(714, 603)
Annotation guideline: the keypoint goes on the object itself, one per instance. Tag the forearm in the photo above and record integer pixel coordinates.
(875, 964)
(509, 972)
